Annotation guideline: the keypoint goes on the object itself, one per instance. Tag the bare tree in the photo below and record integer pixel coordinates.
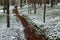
(28, 6)
(0, 2)
(13, 2)
(24, 1)
(47, 1)
(4, 6)
(21, 4)
(34, 6)
(51, 3)
(8, 17)
(29, 9)
(40, 2)
(44, 10)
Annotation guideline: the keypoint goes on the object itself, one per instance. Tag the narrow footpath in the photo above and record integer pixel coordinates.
(29, 30)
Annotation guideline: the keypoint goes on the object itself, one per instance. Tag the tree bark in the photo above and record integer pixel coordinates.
(1, 2)
(13, 2)
(21, 4)
(24, 1)
(4, 6)
(40, 3)
(47, 1)
(28, 6)
(44, 10)
(51, 3)
(8, 17)
(34, 7)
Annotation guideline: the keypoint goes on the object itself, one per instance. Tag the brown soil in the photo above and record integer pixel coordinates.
(29, 30)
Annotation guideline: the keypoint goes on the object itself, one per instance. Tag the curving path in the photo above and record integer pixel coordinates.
(29, 30)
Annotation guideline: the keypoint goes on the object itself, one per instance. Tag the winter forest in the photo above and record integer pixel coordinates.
(29, 19)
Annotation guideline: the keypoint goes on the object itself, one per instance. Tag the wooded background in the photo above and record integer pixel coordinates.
(23, 1)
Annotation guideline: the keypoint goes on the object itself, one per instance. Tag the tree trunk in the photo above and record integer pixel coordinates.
(44, 10)
(0, 2)
(28, 7)
(47, 1)
(13, 2)
(51, 3)
(40, 3)
(4, 6)
(24, 1)
(8, 18)
(34, 7)
(21, 4)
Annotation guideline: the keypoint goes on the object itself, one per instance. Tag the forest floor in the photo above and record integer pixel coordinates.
(15, 32)
(52, 25)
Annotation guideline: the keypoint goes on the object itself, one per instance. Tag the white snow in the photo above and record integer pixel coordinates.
(51, 28)
(16, 30)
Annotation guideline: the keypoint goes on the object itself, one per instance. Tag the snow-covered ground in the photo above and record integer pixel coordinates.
(15, 32)
(51, 27)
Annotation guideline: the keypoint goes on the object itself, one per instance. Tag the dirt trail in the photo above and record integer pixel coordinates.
(29, 30)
